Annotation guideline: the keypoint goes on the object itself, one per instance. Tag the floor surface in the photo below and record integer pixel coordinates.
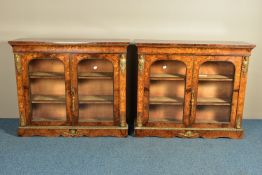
(124, 156)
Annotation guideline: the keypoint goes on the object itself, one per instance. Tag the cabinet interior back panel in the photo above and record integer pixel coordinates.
(47, 86)
(46, 65)
(95, 87)
(95, 65)
(168, 67)
(95, 112)
(49, 112)
(166, 113)
(167, 88)
(215, 89)
(217, 68)
(210, 114)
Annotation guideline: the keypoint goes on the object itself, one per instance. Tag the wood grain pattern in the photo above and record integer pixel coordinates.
(195, 44)
(210, 85)
(66, 131)
(181, 132)
(122, 89)
(40, 63)
(242, 90)
(222, 87)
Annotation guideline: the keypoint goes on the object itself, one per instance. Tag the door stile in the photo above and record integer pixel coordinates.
(194, 91)
(68, 80)
(74, 90)
(188, 98)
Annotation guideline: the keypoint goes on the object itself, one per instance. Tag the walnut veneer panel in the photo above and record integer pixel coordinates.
(211, 90)
(71, 87)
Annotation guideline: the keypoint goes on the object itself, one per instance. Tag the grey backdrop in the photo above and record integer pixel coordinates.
(237, 20)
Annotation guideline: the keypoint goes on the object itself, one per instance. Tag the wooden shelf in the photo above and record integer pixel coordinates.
(48, 99)
(104, 99)
(49, 119)
(166, 100)
(167, 77)
(215, 78)
(89, 75)
(169, 119)
(213, 101)
(83, 99)
(95, 75)
(99, 119)
(46, 75)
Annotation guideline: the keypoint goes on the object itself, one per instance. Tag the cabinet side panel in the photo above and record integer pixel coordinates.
(242, 91)
(122, 89)
(19, 66)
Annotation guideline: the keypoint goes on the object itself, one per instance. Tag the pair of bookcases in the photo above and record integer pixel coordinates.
(78, 88)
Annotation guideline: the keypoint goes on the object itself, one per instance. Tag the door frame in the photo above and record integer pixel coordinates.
(236, 61)
(27, 58)
(144, 64)
(117, 87)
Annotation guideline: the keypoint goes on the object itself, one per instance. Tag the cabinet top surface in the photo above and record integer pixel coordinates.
(177, 43)
(34, 41)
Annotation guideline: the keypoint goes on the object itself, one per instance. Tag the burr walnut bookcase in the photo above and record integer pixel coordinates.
(71, 88)
(191, 89)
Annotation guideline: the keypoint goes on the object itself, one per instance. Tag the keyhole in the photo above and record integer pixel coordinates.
(95, 67)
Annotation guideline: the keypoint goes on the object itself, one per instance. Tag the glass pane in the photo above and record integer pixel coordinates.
(95, 90)
(215, 89)
(217, 68)
(212, 89)
(167, 86)
(46, 65)
(95, 87)
(95, 112)
(48, 112)
(167, 113)
(212, 114)
(47, 87)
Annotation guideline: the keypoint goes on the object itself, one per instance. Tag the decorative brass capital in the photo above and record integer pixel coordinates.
(71, 133)
(139, 119)
(238, 122)
(18, 64)
(141, 62)
(22, 120)
(123, 63)
(245, 65)
(122, 119)
(123, 124)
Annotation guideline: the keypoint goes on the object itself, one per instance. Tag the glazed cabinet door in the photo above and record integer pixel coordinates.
(164, 90)
(216, 88)
(98, 89)
(45, 87)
